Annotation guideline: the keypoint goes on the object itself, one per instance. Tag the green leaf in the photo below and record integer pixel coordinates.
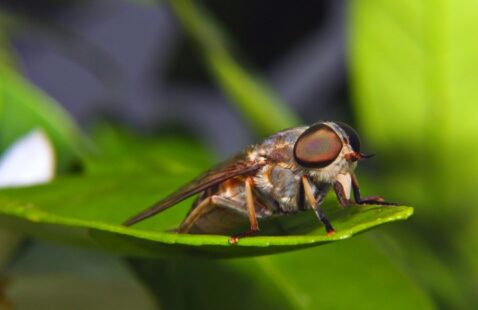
(23, 107)
(264, 110)
(100, 203)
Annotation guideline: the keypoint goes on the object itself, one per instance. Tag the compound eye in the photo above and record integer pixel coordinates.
(317, 147)
(353, 136)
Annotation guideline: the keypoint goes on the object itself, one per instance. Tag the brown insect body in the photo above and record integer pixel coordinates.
(288, 172)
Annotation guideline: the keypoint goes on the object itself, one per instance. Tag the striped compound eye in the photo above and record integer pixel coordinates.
(317, 147)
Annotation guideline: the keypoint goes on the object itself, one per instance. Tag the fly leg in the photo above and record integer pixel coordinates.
(315, 205)
(340, 192)
(372, 200)
(202, 208)
(252, 214)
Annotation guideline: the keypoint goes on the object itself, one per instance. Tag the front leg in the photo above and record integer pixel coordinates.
(341, 195)
(371, 200)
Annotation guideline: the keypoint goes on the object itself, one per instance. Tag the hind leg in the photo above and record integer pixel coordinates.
(205, 206)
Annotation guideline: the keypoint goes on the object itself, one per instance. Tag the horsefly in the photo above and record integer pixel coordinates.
(288, 172)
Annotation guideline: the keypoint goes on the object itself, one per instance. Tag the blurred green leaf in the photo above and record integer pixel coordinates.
(47, 276)
(100, 200)
(348, 275)
(255, 100)
(420, 262)
(415, 72)
(434, 268)
(6, 60)
(170, 153)
(23, 107)
(465, 243)
(9, 241)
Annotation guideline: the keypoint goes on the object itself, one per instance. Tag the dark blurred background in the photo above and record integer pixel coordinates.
(133, 63)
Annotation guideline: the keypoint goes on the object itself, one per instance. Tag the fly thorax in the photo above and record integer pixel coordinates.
(262, 180)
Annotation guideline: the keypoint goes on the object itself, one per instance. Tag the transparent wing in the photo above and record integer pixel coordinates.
(212, 177)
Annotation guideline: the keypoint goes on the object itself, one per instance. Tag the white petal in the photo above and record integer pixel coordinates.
(346, 181)
(30, 160)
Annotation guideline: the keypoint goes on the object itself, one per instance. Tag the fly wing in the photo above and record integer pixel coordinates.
(215, 176)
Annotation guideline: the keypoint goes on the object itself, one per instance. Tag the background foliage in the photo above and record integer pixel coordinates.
(411, 71)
